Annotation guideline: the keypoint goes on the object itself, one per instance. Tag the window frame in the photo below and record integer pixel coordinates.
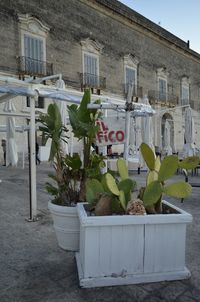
(185, 85)
(162, 75)
(92, 55)
(32, 27)
(160, 93)
(131, 62)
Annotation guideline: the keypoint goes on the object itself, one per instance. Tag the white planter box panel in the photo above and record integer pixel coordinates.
(107, 247)
(131, 249)
(164, 246)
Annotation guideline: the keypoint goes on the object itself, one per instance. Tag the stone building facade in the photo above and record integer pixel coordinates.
(103, 45)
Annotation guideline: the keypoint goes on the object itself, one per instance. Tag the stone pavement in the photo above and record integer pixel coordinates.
(34, 269)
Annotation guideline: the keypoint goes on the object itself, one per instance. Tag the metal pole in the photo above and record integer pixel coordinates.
(127, 120)
(104, 150)
(29, 174)
(33, 161)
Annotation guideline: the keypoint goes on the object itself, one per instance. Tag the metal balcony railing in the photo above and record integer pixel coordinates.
(137, 91)
(92, 81)
(34, 67)
(163, 99)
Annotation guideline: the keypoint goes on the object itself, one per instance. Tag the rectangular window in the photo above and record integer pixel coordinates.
(130, 77)
(91, 78)
(38, 104)
(34, 56)
(162, 90)
(185, 95)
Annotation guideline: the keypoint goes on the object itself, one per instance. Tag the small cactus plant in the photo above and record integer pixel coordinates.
(110, 195)
(158, 173)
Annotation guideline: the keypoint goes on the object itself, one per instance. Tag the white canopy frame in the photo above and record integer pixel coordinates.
(11, 87)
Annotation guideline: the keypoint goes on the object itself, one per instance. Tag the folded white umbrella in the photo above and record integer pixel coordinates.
(11, 146)
(63, 112)
(167, 139)
(189, 147)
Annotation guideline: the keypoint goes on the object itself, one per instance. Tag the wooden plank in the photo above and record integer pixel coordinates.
(131, 279)
(164, 248)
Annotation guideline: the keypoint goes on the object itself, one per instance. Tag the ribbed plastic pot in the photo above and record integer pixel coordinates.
(67, 226)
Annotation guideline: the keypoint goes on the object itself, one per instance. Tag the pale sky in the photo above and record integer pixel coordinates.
(180, 17)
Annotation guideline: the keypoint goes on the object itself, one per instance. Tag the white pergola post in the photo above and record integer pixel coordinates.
(127, 121)
(33, 161)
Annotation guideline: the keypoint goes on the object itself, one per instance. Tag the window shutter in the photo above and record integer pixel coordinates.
(33, 50)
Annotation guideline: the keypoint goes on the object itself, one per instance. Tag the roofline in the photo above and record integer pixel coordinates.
(149, 25)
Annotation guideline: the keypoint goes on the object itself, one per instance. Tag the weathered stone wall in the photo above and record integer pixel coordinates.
(117, 28)
(71, 21)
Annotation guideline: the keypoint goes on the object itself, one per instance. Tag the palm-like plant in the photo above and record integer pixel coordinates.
(83, 122)
(71, 173)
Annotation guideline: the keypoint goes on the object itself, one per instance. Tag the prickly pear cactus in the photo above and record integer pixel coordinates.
(159, 173)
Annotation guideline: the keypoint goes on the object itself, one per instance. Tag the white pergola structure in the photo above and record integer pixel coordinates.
(11, 87)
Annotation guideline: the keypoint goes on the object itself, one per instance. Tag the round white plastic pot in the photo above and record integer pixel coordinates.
(67, 226)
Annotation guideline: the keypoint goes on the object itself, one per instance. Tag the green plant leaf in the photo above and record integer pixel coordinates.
(152, 193)
(74, 162)
(148, 155)
(157, 164)
(122, 168)
(178, 190)
(122, 199)
(111, 184)
(168, 167)
(93, 189)
(189, 163)
(152, 176)
(126, 185)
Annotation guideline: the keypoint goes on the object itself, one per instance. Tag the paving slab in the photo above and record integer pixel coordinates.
(34, 269)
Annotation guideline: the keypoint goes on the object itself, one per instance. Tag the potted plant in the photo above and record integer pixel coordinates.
(139, 239)
(67, 184)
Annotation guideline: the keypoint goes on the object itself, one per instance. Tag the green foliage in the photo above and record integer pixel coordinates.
(93, 189)
(152, 176)
(168, 167)
(53, 129)
(158, 174)
(152, 193)
(122, 168)
(71, 173)
(189, 163)
(178, 190)
(119, 192)
(148, 155)
(111, 184)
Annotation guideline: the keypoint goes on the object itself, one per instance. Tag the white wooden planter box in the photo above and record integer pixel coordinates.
(116, 250)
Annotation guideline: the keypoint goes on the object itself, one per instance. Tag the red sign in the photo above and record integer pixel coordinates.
(111, 131)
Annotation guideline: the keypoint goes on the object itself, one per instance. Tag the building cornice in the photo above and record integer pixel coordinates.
(117, 8)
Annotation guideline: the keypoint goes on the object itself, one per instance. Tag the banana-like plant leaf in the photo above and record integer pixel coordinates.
(178, 190)
(152, 193)
(148, 155)
(168, 167)
(190, 162)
